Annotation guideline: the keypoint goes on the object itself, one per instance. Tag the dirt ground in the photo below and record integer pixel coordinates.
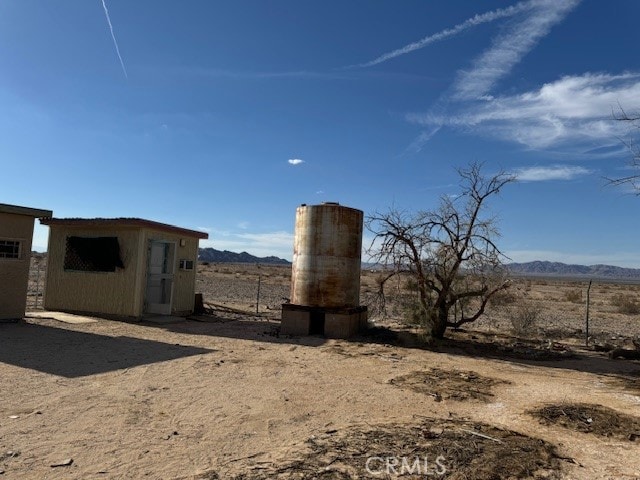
(226, 396)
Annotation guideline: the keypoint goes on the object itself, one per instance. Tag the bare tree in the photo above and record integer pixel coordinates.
(450, 252)
(633, 121)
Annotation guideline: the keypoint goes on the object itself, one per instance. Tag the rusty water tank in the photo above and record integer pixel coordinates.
(326, 256)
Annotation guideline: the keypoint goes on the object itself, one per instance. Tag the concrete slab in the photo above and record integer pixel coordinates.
(62, 317)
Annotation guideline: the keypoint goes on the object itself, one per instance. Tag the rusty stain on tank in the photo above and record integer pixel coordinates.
(326, 256)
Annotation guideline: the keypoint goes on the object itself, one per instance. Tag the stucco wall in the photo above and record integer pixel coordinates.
(14, 273)
(121, 292)
(184, 280)
(111, 293)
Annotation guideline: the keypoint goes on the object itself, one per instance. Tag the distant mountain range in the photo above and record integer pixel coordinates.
(537, 268)
(216, 256)
(540, 268)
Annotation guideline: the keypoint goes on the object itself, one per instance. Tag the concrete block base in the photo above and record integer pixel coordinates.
(330, 322)
(295, 322)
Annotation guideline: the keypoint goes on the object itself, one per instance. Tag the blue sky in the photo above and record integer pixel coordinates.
(226, 115)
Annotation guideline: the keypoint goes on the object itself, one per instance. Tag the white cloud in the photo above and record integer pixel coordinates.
(424, 137)
(450, 32)
(554, 172)
(573, 109)
(243, 225)
(509, 48)
(295, 161)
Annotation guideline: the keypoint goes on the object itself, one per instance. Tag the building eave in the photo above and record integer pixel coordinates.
(123, 222)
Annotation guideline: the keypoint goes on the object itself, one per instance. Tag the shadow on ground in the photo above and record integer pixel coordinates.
(496, 347)
(241, 327)
(461, 343)
(72, 354)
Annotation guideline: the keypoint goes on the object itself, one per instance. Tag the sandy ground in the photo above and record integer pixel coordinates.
(141, 401)
(228, 397)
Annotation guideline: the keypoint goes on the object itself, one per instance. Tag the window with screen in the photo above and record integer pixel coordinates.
(10, 249)
(92, 254)
(186, 264)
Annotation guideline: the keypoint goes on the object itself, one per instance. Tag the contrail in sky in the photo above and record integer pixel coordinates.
(450, 32)
(510, 47)
(115, 43)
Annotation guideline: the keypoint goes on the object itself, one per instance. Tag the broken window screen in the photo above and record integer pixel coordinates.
(92, 254)
(9, 249)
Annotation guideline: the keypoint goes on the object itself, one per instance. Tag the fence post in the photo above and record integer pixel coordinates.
(586, 339)
(258, 296)
(37, 286)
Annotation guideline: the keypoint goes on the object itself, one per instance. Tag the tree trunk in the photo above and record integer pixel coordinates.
(440, 320)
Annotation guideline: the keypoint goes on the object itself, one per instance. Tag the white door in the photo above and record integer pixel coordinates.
(160, 277)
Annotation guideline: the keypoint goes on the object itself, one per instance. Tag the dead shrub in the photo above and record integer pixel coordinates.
(627, 304)
(524, 318)
(573, 296)
(503, 298)
(413, 313)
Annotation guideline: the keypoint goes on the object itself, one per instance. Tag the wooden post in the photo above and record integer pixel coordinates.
(37, 286)
(258, 296)
(586, 338)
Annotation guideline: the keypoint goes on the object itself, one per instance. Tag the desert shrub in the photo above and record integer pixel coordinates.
(626, 304)
(573, 296)
(524, 318)
(412, 312)
(502, 298)
(411, 285)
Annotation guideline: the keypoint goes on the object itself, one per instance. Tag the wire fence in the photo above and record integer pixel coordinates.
(37, 279)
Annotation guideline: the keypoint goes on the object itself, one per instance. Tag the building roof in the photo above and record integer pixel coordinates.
(123, 222)
(31, 212)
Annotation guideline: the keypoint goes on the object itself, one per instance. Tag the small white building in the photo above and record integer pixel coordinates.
(121, 267)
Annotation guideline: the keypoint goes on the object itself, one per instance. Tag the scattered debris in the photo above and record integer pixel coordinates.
(604, 342)
(209, 475)
(443, 448)
(65, 463)
(589, 418)
(9, 454)
(545, 351)
(481, 435)
(449, 384)
(624, 353)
